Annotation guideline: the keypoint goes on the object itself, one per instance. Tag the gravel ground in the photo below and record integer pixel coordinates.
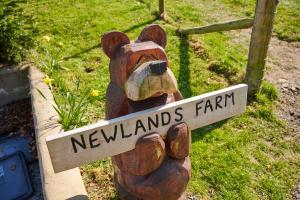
(296, 194)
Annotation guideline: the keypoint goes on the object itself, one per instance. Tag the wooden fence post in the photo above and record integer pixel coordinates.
(161, 9)
(260, 38)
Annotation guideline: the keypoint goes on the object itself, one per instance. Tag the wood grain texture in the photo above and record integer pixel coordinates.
(154, 33)
(148, 128)
(62, 152)
(178, 141)
(112, 41)
(223, 26)
(260, 38)
(153, 178)
(139, 173)
(147, 156)
(143, 84)
(128, 56)
(168, 182)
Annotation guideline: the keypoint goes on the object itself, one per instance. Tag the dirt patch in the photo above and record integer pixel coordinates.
(296, 193)
(283, 70)
(99, 183)
(199, 49)
(285, 74)
(16, 119)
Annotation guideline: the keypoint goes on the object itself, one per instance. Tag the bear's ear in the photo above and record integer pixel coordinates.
(112, 41)
(154, 33)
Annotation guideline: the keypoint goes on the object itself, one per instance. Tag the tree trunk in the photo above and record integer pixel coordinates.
(260, 38)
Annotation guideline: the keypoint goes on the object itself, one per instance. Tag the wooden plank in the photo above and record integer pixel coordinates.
(260, 39)
(111, 137)
(224, 26)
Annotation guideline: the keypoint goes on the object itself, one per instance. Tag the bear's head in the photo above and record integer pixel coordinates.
(139, 68)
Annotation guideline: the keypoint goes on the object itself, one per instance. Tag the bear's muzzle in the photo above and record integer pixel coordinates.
(150, 79)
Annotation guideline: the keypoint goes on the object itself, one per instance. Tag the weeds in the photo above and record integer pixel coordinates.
(53, 66)
(269, 90)
(15, 32)
(231, 72)
(72, 106)
(223, 68)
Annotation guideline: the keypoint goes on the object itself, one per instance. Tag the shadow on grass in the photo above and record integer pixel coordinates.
(82, 52)
(185, 88)
(200, 133)
(184, 71)
(99, 45)
(141, 24)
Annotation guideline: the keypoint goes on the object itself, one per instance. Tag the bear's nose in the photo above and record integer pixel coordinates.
(158, 67)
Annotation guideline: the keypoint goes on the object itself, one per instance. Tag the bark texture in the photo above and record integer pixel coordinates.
(260, 38)
(224, 26)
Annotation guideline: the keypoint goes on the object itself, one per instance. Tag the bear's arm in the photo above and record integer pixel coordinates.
(177, 96)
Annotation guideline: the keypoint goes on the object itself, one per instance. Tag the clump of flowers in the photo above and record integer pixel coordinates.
(73, 104)
(60, 44)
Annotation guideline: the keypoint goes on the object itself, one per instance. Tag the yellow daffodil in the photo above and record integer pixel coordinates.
(95, 93)
(60, 44)
(48, 80)
(46, 38)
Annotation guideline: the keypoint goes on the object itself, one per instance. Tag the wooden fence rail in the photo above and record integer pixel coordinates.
(224, 26)
(260, 38)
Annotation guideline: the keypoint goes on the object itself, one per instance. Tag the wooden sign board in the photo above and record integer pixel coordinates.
(111, 137)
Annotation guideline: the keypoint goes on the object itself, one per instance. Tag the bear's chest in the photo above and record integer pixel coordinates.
(135, 106)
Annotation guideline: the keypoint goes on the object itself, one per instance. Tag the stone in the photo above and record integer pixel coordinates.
(65, 185)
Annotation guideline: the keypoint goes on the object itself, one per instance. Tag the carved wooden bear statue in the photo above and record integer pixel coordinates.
(158, 168)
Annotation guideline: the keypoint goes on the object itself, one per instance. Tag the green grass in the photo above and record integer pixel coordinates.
(287, 23)
(248, 157)
(287, 20)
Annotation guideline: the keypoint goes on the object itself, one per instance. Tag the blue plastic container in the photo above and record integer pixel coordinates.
(12, 144)
(14, 179)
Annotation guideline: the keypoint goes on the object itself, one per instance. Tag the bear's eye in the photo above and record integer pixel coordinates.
(143, 59)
